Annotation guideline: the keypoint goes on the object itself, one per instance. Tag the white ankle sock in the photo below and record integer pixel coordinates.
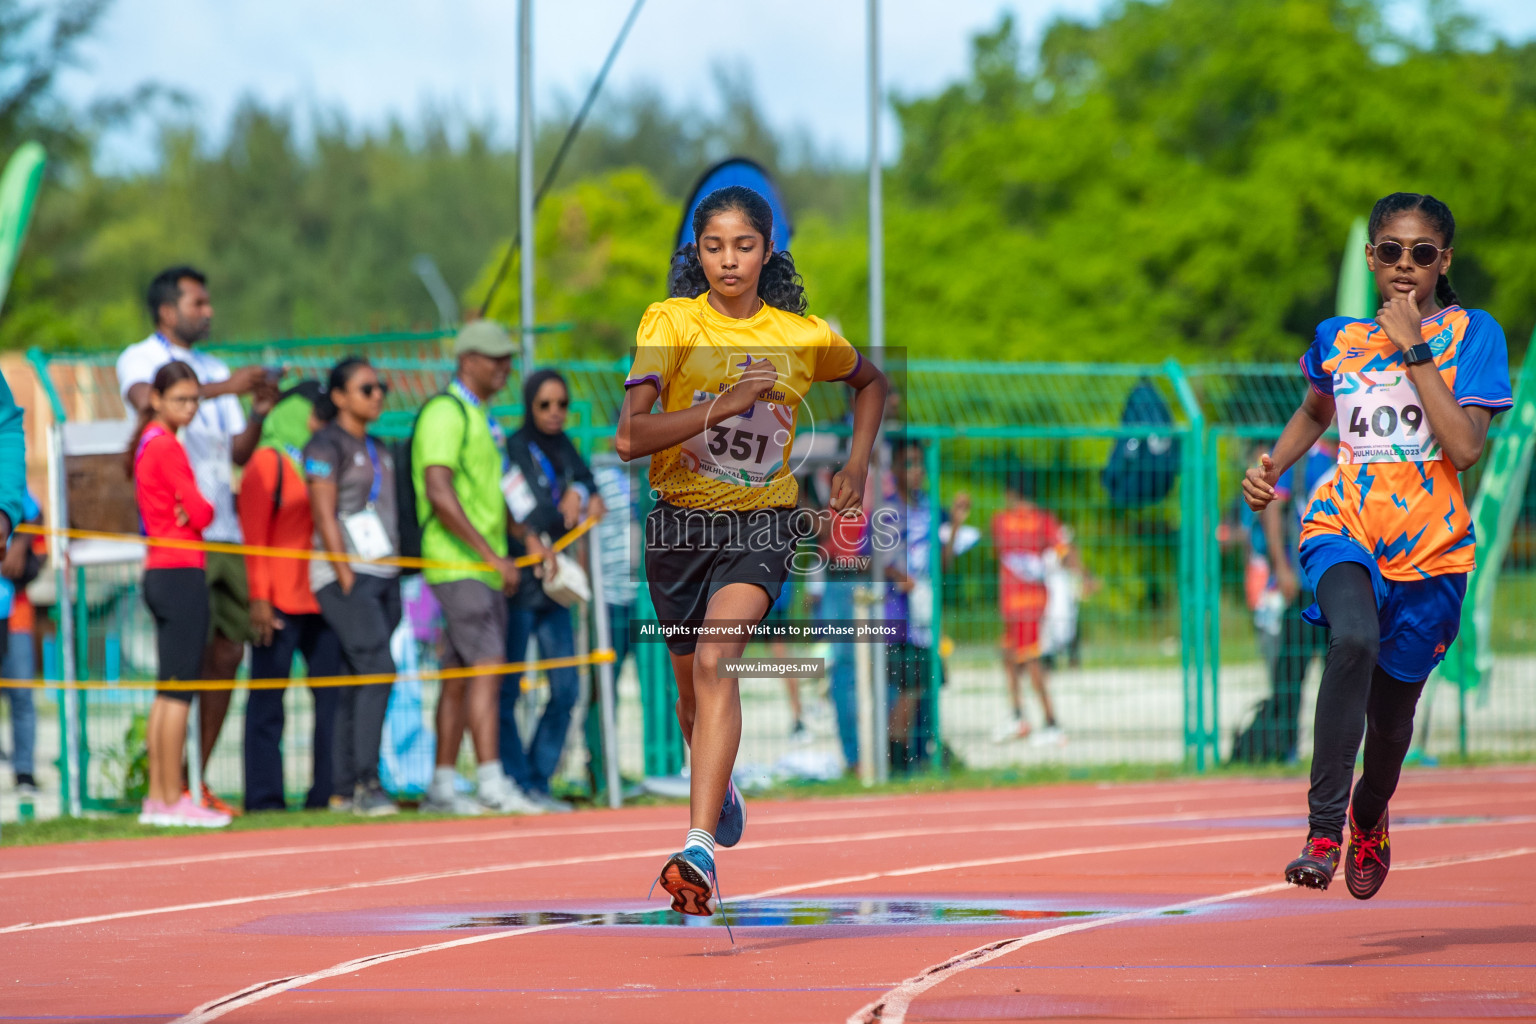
(698, 837)
(444, 780)
(490, 772)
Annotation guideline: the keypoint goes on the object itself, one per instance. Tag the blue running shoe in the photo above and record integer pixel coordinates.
(689, 877)
(733, 818)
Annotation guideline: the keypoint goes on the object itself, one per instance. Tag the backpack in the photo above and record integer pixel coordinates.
(1142, 470)
(405, 484)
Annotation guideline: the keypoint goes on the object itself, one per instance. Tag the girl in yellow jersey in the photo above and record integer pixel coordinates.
(731, 356)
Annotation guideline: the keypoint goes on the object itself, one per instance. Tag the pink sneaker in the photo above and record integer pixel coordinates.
(189, 813)
(155, 813)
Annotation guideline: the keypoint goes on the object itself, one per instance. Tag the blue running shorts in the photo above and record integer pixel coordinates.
(1419, 618)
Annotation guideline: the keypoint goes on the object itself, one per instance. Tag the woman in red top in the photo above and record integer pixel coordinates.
(175, 589)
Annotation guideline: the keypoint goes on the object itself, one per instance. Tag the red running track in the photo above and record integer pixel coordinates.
(1153, 901)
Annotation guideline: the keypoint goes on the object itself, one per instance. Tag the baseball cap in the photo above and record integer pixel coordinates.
(486, 337)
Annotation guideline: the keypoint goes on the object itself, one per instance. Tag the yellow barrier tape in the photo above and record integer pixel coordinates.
(509, 668)
(401, 561)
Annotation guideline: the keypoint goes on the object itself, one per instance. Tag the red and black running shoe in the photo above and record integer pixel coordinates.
(1315, 867)
(689, 878)
(1370, 854)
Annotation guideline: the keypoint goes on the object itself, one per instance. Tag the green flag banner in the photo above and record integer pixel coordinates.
(18, 192)
(1357, 288)
(1494, 512)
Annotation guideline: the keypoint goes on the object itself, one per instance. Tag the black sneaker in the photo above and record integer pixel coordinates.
(1370, 854)
(1315, 867)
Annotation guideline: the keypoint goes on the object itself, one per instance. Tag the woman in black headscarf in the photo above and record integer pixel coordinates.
(549, 490)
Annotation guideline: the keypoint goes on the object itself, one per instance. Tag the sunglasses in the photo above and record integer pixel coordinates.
(367, 390)
(558, 403)
(1424, 253)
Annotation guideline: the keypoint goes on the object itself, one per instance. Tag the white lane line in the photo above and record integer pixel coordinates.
(763, 844)
(846, 837)
(892, 1007)
(216, 1008)
(1086, 851)
(759, 819)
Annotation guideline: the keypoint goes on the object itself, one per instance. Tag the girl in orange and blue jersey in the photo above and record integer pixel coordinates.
(1387, 544)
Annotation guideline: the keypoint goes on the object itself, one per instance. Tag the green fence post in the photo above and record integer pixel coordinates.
(936, 588)
(1194, 600)
(1212, 546)
(662, 737)
(83, 660)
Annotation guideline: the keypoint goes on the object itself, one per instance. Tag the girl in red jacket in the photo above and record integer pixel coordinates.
(170, 506)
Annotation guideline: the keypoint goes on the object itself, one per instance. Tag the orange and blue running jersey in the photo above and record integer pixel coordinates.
(1395, 494)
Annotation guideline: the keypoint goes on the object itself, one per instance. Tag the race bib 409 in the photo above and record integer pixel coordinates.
(1381, 419)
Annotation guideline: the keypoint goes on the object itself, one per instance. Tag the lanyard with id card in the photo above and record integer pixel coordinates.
(365, 530)
(520, 498)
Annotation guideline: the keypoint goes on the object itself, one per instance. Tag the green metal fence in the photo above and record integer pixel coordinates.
(1165, 665)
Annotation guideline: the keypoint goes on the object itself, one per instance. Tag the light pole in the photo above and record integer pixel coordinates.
(877, 350)
(525, 176)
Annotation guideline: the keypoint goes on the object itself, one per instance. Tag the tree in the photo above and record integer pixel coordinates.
(1179, 179)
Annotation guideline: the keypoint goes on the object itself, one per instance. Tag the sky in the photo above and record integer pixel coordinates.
(377, 58)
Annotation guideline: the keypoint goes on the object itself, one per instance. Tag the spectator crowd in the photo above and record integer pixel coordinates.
(472, 499)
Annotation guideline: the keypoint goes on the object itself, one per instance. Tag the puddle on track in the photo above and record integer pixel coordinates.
(797, 913)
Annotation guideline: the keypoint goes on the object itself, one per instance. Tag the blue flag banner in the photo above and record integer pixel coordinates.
(737, 170)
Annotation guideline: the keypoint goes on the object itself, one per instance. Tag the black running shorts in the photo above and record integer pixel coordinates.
(690, 554)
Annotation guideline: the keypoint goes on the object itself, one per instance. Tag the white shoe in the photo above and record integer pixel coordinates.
(551, 804)
(452, 803)
(1011, 729)
(1049, 736)
(503, 796)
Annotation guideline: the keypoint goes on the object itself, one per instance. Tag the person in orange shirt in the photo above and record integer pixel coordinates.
(1029, 541)
(1387, 545)
(285, 618)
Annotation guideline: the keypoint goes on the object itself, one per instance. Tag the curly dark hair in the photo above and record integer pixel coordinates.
(779, 285)
(1434, 211)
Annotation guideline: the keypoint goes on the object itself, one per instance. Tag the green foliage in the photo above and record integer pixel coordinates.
(312, 230)
(602, 246)
(125, 766)
(1176, 178)
(1179, 179)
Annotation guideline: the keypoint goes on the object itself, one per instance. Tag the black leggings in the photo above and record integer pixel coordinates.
(178, 600)
(1356, 696)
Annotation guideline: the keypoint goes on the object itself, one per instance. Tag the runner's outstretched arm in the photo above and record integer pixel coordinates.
(870, 388)
(643, 432)
(1307, 425)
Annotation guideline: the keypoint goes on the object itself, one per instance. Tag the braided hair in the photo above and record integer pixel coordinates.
(1434, 211)
(779, 285)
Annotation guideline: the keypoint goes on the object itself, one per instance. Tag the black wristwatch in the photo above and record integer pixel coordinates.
(1419, 353)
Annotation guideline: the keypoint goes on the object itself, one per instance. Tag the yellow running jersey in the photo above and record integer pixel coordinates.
(692, 353)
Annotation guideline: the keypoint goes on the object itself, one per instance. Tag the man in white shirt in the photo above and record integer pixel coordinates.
(220, 436)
